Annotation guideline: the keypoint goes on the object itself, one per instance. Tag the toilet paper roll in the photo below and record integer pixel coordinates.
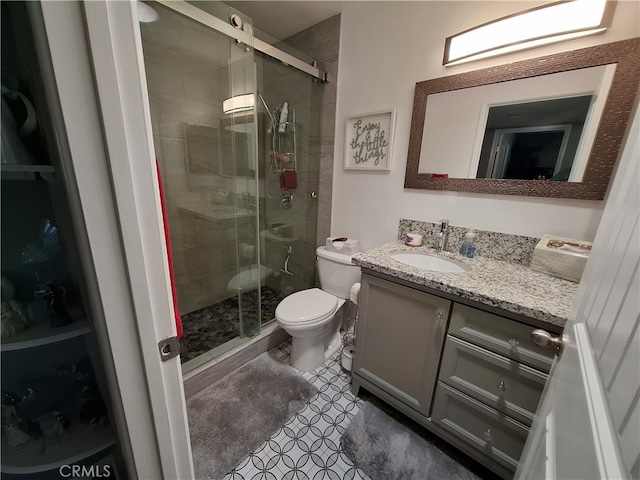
(348, 352)
(355, 291)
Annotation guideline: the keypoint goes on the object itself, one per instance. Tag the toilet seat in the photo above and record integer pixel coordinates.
(307, 307)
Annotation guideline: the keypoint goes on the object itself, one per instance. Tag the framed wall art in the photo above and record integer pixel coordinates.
(369, 140)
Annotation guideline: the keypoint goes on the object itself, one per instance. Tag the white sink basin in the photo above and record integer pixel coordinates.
(430, 262)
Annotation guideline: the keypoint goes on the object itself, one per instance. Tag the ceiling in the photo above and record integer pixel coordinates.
(281, 19)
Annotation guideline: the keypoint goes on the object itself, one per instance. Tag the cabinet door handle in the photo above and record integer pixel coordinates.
(488, 436)
(501, 387)
(514, 343)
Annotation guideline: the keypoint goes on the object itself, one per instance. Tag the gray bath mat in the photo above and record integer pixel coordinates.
(232, 417)
(397, 448)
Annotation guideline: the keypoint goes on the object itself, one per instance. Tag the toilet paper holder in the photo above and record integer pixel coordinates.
(349, 337)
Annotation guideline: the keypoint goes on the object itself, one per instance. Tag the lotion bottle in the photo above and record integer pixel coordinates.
(468, 248)
(284, 112)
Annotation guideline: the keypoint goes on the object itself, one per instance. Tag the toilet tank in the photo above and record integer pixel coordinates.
(337, 273)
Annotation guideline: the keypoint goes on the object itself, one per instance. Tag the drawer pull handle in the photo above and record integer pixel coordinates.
(542, 338)
(514, 343)
(501, 387)
(488, 436)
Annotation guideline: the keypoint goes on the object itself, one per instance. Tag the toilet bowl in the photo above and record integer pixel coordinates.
(313, 317)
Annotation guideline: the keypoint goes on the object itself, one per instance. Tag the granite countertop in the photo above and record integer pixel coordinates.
(511, 287)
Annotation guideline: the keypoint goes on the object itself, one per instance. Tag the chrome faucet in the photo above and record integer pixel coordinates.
(443, 235)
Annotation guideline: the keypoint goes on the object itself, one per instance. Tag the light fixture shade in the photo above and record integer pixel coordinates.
(239, 103)
(540, 26)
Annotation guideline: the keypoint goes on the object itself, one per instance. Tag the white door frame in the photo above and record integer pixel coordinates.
(119, 194)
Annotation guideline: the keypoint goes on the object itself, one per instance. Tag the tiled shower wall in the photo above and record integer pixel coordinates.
(314, 103)
(322, 42)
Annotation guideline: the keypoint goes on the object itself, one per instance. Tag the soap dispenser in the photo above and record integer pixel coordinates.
(468, 248)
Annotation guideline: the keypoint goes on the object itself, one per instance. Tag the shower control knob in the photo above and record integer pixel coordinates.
(286, 200)
(314, 194)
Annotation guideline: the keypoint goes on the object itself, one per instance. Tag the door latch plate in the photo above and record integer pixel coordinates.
(169, 348)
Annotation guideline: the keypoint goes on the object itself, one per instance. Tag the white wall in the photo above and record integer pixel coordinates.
(385, 48)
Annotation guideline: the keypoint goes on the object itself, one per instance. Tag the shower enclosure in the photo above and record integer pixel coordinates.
(236, 134)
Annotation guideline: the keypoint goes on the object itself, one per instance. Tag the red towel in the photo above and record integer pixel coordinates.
(167, 239)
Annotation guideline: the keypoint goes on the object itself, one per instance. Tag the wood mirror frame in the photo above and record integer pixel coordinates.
(609, 134)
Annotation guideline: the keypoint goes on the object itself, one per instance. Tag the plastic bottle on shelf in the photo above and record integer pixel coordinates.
(468, 248)
(284, 112)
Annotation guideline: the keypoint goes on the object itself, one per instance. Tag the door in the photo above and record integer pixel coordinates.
(588, 420)
(201, 86)
(529, 152)
(107, 146)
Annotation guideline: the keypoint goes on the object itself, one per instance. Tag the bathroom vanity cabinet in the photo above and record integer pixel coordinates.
(399, 336)
(469, 375)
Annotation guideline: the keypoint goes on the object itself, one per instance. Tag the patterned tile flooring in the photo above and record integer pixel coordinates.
(307, 447)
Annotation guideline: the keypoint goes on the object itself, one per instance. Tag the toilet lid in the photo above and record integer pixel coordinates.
(305, 306)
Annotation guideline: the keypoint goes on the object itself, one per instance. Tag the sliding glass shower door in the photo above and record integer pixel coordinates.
(202, 86)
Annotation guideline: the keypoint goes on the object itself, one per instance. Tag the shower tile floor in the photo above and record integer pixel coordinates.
(307, 447)
(212, 326)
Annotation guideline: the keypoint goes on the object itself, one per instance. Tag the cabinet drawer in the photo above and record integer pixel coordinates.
(500, 382)
(501, 335)
(497, 436)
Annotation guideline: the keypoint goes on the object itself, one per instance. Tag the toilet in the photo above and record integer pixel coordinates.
(313, 317)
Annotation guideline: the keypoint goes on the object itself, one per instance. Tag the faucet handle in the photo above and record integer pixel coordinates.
(444, 224)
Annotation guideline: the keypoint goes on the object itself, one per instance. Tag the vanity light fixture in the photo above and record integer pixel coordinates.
(552, 23)
(239, 103)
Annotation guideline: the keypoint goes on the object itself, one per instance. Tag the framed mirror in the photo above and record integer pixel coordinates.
(550, 126)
